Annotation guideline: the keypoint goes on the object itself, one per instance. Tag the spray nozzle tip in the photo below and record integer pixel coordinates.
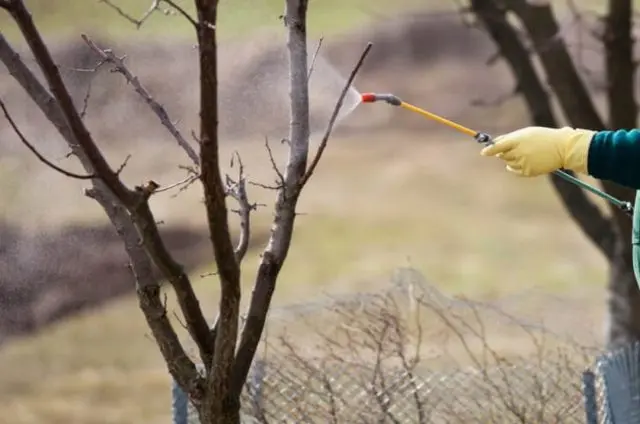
(368, 97)
(377, 97)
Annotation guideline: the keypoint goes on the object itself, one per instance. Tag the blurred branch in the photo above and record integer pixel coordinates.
(620, 74)
(37, 154)
(542, 27)
(588, 216)
(179, 364)
(564, 78)
(154, 7)
(108, 56)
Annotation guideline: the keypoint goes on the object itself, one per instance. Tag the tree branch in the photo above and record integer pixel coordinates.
(219, 369)
(135, 201)
(334, 115)
(295, 176)
(183, 12)
(590, 219)
(237, 189)
(561, 72)
(275, 253)
(51, 73)
(108, 56)
(155, 6)
(44, 160)
(565, 80)
(179, 364)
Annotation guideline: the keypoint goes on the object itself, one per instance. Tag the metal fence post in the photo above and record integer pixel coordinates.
(590, 397)
(179, 404)
(256, 385)
(620, 371)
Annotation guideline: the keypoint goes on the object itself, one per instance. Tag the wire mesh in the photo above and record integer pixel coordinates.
(410, 354)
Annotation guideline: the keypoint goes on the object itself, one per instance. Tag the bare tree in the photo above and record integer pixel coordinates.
(611, 234)
(225, 349)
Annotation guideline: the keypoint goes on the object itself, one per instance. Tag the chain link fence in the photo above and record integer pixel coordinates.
(411, 354)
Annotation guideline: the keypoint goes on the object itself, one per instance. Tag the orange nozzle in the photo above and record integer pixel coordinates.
(368, 98)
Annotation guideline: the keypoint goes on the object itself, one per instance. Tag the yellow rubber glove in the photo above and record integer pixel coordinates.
(534, 151)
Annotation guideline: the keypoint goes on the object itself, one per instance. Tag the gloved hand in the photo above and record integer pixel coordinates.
(533, 151)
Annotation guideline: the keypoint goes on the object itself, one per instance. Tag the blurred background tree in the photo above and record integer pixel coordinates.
(527, 33)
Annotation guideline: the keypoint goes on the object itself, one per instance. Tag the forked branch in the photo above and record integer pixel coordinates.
(178, 363)
(108, 56)
(295, 177)
(70, 123)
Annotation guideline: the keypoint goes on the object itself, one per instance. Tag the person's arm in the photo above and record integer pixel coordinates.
(606, 155)
(615, 156)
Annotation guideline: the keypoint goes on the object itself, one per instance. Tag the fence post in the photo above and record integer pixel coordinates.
(179, 404)
(256, 385)
(620, 371)
(590, 397)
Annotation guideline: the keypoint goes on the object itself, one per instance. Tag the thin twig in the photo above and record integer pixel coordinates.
(85, 101)
(184, 13)
(238, 191)
(42, 159)
(315, 57)
(274, 165)
(334, 116)
(187, 181)
(158, 109)
(155, 5)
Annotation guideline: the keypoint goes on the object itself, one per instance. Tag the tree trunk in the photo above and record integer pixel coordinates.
(623, 324)
(227, 412)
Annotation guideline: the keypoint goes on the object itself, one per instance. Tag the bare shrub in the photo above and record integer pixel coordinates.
(413, 354)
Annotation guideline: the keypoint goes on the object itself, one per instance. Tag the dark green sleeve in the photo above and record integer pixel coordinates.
(615, 156)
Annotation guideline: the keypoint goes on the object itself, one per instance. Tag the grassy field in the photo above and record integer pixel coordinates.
(237, 17)
(373, 206)
(381, 199)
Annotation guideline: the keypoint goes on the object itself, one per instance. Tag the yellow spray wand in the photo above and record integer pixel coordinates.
(486, 139)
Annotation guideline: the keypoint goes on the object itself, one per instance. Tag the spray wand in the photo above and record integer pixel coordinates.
(486, 139)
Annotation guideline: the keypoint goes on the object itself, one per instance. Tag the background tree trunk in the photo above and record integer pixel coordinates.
(624, 296)
(611, 234)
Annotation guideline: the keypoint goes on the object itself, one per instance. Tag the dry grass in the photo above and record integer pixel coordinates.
(381, 199)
